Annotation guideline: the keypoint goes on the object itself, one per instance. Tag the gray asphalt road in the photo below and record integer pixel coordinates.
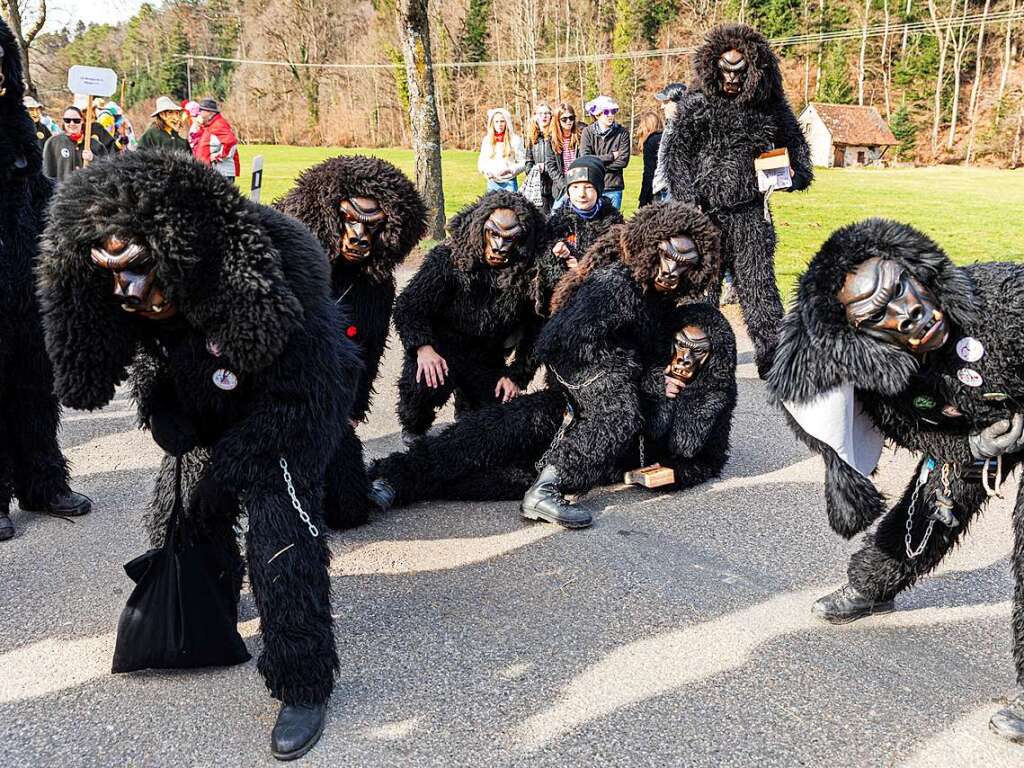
(674, 632)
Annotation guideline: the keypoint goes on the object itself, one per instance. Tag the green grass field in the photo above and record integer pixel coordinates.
(976, 214)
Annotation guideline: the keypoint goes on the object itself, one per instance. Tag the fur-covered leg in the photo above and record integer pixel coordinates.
(347, 502)
(1008, 722)
(701, 468)
(31, 420)
(605, 423)
(882, 569)
(457, 461)
(750, 241)
(417, 403)
(291, 585)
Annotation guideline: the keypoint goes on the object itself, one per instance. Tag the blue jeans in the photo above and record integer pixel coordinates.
(512, 185)
(614, 197)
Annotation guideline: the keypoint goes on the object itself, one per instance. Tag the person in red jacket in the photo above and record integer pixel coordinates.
(217, 145)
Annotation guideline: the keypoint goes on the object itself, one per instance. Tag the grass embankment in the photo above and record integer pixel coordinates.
(975, 214)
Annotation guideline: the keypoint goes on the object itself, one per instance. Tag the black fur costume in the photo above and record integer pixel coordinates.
(32, 466)
(255, 282)
(564, 225)
(620, 333)
(709, 157)
(368, 288)
(472, 314)
(818, 350)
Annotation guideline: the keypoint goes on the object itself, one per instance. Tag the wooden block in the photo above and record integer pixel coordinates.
(653, 476)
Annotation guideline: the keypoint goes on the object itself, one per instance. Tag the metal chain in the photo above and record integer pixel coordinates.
(313, 530)
(643, 462)
(908, 539)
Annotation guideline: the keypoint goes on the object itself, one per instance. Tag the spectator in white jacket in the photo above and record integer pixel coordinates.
(502, 156)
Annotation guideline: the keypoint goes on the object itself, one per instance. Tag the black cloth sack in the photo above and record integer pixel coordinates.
(182, 612)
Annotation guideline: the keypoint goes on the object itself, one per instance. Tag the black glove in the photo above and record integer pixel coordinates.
(173, 432)
(1004, 436)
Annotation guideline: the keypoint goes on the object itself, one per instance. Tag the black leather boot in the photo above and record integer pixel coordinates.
(297, 730)
(544, 501)
(6, 527)
(1008, 722)
(382, 494)
(67, 504)
(846, 604)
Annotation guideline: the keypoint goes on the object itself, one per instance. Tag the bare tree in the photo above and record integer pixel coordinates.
(972, 111)
(943, 36)
(1007, 54)
(414, 32)
(863, 50)
(17, 10)
(959, 47)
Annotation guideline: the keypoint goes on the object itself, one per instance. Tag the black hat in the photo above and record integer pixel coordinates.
(671, 92)
(209, 105)
(586, 168)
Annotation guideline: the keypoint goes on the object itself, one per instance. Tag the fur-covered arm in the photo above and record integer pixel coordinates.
(604, 305)
(420, 301)
(695, 413)
(524, 362)
(792, 138)
(852, 501)
(672, 156)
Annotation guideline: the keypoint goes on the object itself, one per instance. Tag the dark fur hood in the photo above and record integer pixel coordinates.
(764, 80)
(18, 145)
(218, 258)
(818, 349)
(466, 238)
(635, 244)
(315, 197)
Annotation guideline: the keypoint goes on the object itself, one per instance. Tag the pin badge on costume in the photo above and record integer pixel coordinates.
(951, 412)
(225, 379)
(969, 349)
(213, 347)
(924, 403)
(970, 377)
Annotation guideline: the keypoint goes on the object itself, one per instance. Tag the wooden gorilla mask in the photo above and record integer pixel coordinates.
(692, 350)
(502, 232)
(363, 220)
(135, 283)
(732, 68)
(676, 255)
(884, 301)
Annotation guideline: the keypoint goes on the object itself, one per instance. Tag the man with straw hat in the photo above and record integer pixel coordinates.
(163, 132)
(35, 111)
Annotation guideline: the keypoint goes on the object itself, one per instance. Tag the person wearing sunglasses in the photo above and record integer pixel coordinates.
(565, 146)
(608, 140)
(66, 152)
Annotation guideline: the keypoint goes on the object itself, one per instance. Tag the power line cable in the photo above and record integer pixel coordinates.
(878, 30)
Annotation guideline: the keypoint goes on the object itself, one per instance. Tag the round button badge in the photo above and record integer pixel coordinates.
(970, 377)
(969, 349)
(225, 379)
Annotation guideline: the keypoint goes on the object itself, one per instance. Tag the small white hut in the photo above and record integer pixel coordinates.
(842, 135)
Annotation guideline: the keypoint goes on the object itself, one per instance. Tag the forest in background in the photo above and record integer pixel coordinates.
(947, 74)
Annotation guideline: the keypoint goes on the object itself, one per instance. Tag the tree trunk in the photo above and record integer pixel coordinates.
(943, 38)
(863, 51)
(958, 57)
(1015, 157)
(414, 32)
(1007, 50)
(976, 88)
(886, 63)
